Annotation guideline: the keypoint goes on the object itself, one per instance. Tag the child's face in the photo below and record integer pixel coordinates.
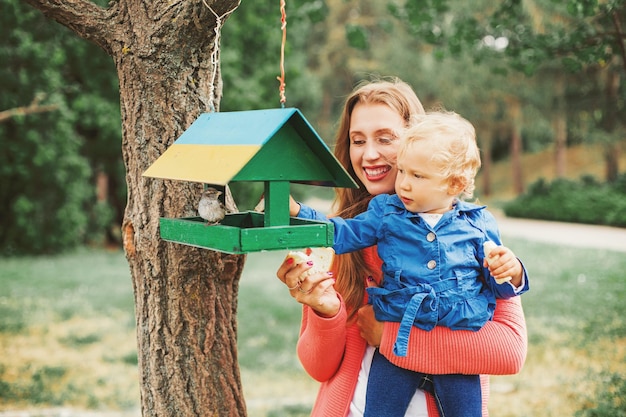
(419, 183)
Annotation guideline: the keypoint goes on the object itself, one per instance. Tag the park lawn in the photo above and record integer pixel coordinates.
(67, 334)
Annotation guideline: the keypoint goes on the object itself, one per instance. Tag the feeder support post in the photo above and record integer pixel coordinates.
(276, 203)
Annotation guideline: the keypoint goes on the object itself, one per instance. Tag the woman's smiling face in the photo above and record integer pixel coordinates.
(374, 131)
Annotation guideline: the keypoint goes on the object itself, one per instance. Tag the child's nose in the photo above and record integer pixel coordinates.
(404, 183)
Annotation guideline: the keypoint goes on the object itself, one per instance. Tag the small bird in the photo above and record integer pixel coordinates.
(210, 208)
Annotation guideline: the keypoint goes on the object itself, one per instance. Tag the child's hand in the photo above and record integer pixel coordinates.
(503, 264)
(294, 206)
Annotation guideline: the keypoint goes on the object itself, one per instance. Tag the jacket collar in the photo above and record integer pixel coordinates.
(459, 207)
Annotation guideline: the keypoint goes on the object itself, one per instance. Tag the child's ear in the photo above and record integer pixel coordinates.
(456, 185)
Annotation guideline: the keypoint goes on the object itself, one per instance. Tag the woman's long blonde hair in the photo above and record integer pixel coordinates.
(350, 269)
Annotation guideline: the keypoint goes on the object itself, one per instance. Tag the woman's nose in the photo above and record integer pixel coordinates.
(370, 152)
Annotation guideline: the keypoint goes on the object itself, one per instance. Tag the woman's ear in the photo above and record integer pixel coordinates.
(456, 185)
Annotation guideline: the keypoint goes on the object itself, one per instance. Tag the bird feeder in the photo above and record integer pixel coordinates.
(273, 146)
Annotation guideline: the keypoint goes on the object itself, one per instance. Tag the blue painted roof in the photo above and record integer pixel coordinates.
(254, 127)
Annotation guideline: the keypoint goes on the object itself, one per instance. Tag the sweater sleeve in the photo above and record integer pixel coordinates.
(499, 348)
(322, 343)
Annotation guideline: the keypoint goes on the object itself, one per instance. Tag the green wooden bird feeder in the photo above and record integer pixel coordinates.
(275, 146)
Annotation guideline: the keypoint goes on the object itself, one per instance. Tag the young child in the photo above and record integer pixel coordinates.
(435, 272)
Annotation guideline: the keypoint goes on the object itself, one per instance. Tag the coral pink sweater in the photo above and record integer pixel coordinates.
(331, 351)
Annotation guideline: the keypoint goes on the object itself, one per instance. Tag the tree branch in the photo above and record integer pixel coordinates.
(33, 107)
(85, 18)
(619, 37)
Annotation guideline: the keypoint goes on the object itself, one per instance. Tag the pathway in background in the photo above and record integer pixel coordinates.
(568, 234)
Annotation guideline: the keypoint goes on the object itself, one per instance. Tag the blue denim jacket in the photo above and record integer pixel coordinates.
(432, 276)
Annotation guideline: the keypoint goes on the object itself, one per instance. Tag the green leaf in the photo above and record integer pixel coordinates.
(357, 37)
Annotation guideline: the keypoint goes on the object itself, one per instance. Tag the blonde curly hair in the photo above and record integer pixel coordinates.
(454, 140)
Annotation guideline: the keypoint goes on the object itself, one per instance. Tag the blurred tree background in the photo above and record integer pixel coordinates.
(532, 75)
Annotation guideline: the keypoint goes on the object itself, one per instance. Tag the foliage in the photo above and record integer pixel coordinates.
(43, 175)
(577, 43)
(46, 165)
(585, 201)
(250, 56)
(610, 398)
(578, 32)
(250, 63)
(45, 61)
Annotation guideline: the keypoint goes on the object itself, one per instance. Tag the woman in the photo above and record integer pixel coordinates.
(339, 332)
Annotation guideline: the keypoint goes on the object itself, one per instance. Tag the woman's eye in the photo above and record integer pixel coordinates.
(357, 141)
(386, 139)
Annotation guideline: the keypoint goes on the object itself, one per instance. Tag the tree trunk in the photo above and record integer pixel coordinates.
(185, 298)
(611, 158)
(487, 140)
(609, 123)
(559, 126)
(516, 144)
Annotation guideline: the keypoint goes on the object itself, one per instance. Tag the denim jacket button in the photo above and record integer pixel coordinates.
(431, 264)
(430, 236)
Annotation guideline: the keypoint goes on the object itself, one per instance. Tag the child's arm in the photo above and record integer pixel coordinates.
(306, 212)
(352, 234)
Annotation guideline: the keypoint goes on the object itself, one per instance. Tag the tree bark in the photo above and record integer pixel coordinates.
(515, 111)
(559, 126)
(487, 140)
(610, 121)
(185, 298)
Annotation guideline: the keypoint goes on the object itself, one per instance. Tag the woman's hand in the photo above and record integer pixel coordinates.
(370, 329)
(315, 290)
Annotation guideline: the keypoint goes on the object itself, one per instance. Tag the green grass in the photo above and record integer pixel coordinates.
(264, 303)
(578, 291)
(39, 289)
(67, 334)
(67, 331)
(576, 315)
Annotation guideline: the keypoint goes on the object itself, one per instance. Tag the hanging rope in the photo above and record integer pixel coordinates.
(216, 48)
(281, 78)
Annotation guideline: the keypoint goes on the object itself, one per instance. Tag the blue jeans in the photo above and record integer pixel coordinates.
(390, 389)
